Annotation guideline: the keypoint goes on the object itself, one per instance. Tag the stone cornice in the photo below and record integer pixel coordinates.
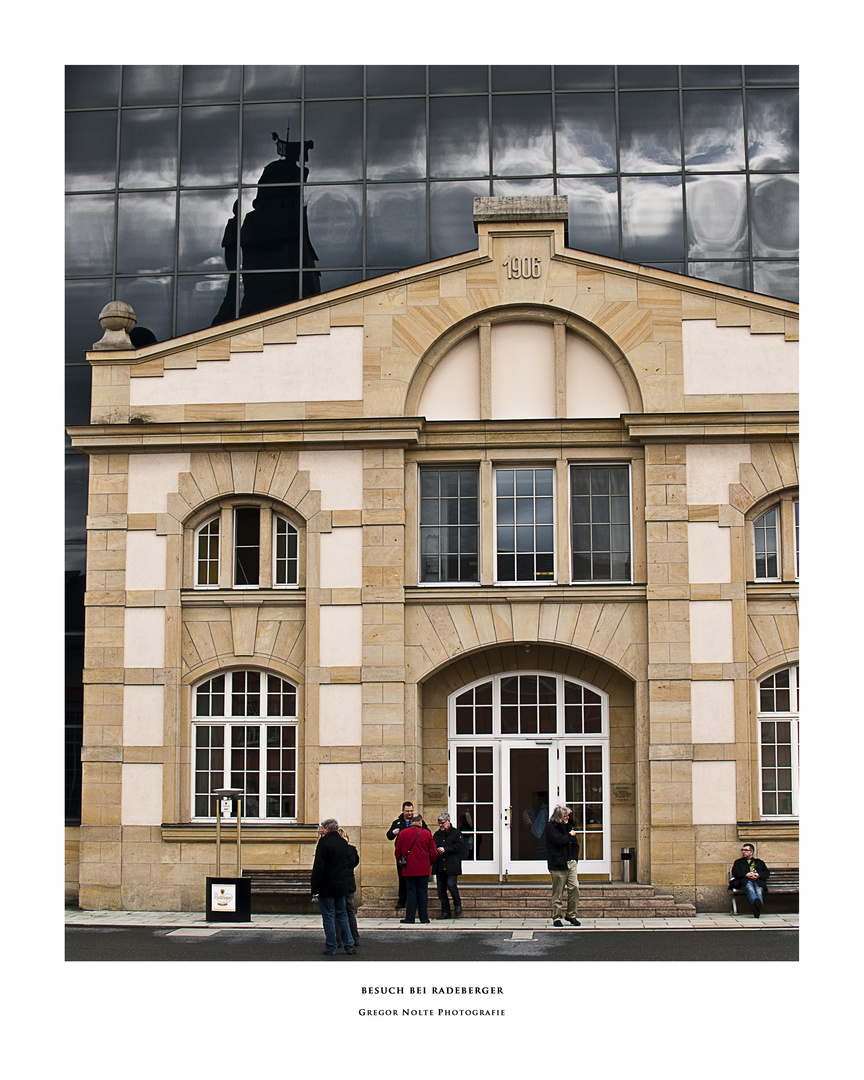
(710, 426)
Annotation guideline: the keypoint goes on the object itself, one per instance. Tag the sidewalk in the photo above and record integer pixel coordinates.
(195, 921)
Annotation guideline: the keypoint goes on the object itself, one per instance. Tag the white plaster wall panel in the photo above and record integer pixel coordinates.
(146, 555)
(341, 565)
(714, 793)
(731, 360)
(338, 475)
(341, 640)
(452, 391)
(151, 478)
(340, 714)
(318, 367)
(712, 711)
(144, 637)
(711, 632)
(142, 715)
(141, 797)
(711, 469)
(340, 794)
(709, 552)
(593, 386)
(523, 371)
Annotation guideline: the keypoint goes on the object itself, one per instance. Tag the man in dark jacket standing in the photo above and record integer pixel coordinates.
(448, 867)
(400, 823)
(751, 876)
(562, 853)
(332, 877)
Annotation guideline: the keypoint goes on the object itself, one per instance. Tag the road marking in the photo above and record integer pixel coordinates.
(522, 935)
(191, 931)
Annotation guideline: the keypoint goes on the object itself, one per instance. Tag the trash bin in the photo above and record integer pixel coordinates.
(628, 864)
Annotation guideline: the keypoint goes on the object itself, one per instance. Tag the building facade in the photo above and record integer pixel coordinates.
(511, 527)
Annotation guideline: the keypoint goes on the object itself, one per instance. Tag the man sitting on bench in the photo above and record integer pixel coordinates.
(750, 875)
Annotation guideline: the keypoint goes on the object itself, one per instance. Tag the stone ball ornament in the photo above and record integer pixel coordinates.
(117, 318)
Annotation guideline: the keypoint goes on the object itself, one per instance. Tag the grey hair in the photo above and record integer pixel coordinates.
(330, 824)
(559, 812)
(444, 817)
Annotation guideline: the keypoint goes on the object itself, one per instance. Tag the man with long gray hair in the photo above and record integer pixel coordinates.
(562, 854)
(332, 878)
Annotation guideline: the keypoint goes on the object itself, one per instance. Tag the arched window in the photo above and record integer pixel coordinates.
(778, 743)
(775, 540)
(246, 547)
(245, 736)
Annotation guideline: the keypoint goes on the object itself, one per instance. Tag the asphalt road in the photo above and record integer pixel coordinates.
(136, 943)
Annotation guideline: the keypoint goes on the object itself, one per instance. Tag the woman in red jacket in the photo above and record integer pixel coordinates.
(418, 848)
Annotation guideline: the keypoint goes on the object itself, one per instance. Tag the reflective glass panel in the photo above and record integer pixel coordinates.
(211, 82)
(396, 139)
(148, 148)
(521, 77)
(716, 217)
(84, 301)
(459, 136)
(774, 210)
(200, 298)
(647, 75)
(145, 232)
(521, 135)
(336, 128)
(458, 79)
(650, 136)
(711, 75)
(396, 225)
(333, 81)
(203, 230)
(585, 77)
(91, 150)
(335, 217)
(593, 206)
(395, 79)
(77, 411)
(771, 74)
(271, 82)
(209, 141)
(585, 133)
(772, 127)
(776, 279)
(92, 86)
(736, 274)
(151, 84)
(653, 218)
(259, 147)
(451, 216)
(153, 301)
(713, 130)
(89, 234)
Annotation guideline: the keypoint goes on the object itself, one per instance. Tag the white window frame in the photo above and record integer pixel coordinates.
(215, 518)
(228, 722)
(524, 467)
(226, 558)
(590, 465)
(278, 519)
(792, 717)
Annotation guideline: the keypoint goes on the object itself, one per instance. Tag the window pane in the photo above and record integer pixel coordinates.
(716, 217)
(650, 135)
(713, 129)
(459, 136)
(210, 141)
(148, 148)
(593, 538)
(449, 524)
(247, 526)
(396, 139)
(653, 218)
(585, 133)
(521, 135)
(91, 150)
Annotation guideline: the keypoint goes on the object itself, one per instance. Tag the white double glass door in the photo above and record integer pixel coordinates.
(504, 787)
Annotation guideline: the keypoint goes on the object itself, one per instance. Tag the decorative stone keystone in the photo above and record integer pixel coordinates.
(116, 319)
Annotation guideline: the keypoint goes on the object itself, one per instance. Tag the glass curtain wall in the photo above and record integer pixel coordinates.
(200, 193)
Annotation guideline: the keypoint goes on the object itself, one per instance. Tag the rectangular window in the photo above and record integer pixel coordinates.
(207, 556)
(765, 546)
(285, 559)
(247, 545)
(524, 525)
(449, 525)
(600, 522)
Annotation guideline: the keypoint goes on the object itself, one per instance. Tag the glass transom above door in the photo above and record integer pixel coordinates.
(530, 704)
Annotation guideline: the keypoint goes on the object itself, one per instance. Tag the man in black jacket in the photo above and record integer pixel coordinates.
(750, 875)
(562, 853)
(332, 878)
(449, 865)
(400, 823)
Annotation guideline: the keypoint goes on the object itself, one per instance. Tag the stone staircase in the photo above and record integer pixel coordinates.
(522, 900)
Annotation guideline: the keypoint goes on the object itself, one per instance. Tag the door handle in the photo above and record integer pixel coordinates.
(508, 812)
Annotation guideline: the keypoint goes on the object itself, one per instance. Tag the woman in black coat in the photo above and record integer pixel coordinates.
(350, 910)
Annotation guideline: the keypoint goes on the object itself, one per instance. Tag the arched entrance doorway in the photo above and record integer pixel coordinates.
(518, 744)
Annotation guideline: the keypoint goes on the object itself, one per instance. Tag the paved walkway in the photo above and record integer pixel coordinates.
(194, 921)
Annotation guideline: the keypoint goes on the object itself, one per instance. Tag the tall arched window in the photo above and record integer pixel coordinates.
(775, 540)
(778, 743)
(245, 736)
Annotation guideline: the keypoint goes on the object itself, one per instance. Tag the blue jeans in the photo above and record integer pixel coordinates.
(333, 909)
(755, 892)
(416, 898)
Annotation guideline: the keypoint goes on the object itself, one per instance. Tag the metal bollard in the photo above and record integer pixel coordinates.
(628, 864)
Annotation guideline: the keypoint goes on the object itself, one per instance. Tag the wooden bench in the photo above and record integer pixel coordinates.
(784, 880)
(281, 890)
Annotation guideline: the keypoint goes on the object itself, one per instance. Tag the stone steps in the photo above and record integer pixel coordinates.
(518, 900)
